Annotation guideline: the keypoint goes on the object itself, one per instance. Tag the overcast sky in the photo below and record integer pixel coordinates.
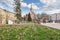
(48, 6)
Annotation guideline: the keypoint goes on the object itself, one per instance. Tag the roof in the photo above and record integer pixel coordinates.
(5, 10)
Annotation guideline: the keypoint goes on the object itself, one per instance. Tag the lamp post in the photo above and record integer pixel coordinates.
(56, 17)
(50, 17)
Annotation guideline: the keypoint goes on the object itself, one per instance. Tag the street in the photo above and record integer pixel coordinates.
(53, 25)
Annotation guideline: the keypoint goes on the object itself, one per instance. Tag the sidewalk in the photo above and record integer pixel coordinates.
(53, 25)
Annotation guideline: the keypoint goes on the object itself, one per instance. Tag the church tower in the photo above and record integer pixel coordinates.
(31, 7)
(32, 13)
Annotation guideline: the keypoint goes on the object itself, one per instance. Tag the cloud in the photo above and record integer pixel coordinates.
(23, 4)
(34, 6)
(21, 0)
(1, 6)
(10, 3)
(48, 1)
(53, 11)
(50, 6)
(1, 1)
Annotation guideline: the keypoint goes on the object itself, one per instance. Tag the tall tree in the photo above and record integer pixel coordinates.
(29, 17)
(18, 10)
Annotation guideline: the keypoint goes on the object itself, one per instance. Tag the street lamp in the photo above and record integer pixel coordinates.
(56, 17)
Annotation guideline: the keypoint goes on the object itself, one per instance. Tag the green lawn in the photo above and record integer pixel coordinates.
(28, 32)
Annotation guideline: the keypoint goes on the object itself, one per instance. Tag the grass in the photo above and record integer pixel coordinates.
(28, 32)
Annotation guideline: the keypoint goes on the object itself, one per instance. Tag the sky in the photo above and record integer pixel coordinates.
(39, 6)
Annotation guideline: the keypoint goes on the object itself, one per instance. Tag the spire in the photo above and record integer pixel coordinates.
(31, 7)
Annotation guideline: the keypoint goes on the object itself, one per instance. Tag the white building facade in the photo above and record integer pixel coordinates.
(55, 17)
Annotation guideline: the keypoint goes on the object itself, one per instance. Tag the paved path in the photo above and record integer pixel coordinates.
(53, 25)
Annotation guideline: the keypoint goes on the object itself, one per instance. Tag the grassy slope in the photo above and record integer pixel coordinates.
(28, 32)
